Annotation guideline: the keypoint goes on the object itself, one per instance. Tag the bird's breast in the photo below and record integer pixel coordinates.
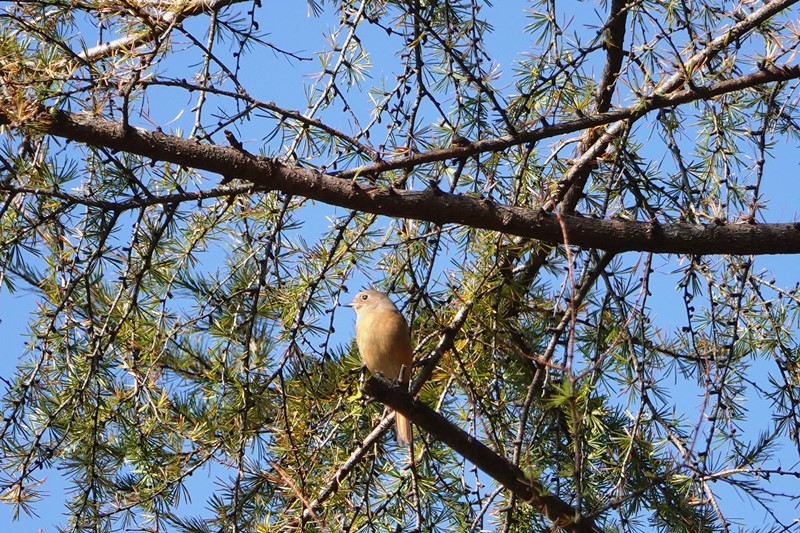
(384, 343)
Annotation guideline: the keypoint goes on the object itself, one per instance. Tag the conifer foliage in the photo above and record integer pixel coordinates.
(567, 201)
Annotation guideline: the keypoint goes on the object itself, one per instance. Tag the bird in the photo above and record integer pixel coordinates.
(384, 343)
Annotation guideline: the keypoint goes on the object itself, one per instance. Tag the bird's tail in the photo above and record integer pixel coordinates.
(403, 425)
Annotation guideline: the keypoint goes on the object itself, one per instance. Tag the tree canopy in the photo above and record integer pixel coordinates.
(569, 203)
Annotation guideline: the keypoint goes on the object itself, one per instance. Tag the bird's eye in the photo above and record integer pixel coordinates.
(364, 296)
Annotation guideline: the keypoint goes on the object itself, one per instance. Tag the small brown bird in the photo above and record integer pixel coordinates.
(384, 343)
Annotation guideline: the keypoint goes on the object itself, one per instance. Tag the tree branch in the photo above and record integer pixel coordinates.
(500, 469)
(613, 42)
(161, 18)
(442, 208)
(646, 104)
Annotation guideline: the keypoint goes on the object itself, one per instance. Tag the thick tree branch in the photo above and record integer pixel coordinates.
(500, 469)
(442, 208)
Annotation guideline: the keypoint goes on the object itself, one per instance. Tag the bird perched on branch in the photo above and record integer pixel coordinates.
(384, 343)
